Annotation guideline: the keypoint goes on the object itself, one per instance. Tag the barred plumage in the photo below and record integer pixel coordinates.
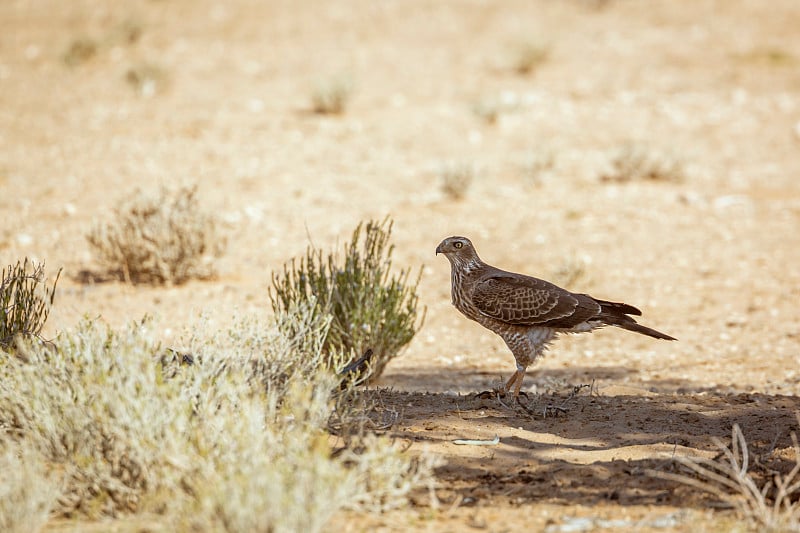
(527, 313)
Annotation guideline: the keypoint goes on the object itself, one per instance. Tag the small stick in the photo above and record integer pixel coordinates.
(493, 442)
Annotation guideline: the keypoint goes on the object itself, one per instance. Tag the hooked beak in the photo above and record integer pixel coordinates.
(439, 250)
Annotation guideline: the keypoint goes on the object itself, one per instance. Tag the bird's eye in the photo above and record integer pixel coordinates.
(458, 244)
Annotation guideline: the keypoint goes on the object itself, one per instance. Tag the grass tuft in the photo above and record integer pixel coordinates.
(80, 51)
(456, 178)
(331, 95)
(368, 306)
(634, 162)
(529, 56)
(25, 301)
(772, 507)
(159, 239)
(146, 79)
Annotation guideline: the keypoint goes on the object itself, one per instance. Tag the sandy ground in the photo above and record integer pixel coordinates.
(225, 103)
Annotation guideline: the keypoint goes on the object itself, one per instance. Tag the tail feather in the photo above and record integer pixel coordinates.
(618, 308)
(616, 314)
(644, 330)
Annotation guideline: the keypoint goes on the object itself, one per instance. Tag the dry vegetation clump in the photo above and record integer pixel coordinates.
(25, 301)
(162, 239)
(635, 162)
(528, 56)
(147, 79)
(27, 491)
(369, 307)
(330, 96)
(775, 506)
(455, 178)
(234, 439)
(80, 51)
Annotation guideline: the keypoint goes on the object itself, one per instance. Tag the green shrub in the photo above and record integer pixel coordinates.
(161, 239)
(368, 306)
(25, 301)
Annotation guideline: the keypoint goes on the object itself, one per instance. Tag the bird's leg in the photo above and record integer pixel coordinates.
(517, 380)
(500, 392)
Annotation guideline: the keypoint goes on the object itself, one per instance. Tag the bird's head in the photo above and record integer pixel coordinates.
(457, 249)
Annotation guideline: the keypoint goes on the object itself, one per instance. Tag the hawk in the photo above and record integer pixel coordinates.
(527, 313)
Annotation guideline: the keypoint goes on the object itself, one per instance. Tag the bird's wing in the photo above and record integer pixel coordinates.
(526, 301)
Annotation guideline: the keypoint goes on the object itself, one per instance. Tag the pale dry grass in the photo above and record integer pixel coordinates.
(27, 490)
(331, 96)
(163, 238)
(639, 162)
(456, 177)
(230, 438)
(773, 507)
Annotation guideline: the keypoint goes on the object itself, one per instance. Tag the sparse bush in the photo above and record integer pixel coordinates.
(368, 306)
(166, 238)
(487, 109)
(634, 162)
(331, 96)
(528, 56)
(456, 178)
(80, 51)
(772, 507)
(233, 440)
(25, 301)
(27, 491)
(146, 79)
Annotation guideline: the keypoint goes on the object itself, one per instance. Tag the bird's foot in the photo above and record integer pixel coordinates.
(496, 393)
(489, 394)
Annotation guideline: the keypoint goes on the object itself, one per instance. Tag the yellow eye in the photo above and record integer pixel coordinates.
(458, 244)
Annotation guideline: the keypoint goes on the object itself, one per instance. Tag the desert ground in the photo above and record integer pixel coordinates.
(218, 94)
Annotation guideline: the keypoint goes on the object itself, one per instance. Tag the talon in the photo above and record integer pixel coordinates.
(490, 394)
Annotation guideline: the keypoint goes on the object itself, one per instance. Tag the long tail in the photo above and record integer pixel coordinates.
(644, 330)
(616, 314)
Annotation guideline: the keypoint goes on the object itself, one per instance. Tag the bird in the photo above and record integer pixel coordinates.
(526, 312)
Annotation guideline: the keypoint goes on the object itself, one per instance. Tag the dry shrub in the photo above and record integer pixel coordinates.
(635, 162)
(330, 96)
(233, 439)
(27, 491)
(80, 51)
(455, 178)
(369, 307)
(147, 79)
(25, 301)
(772, 507)
(528, 56)
(162, 239)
